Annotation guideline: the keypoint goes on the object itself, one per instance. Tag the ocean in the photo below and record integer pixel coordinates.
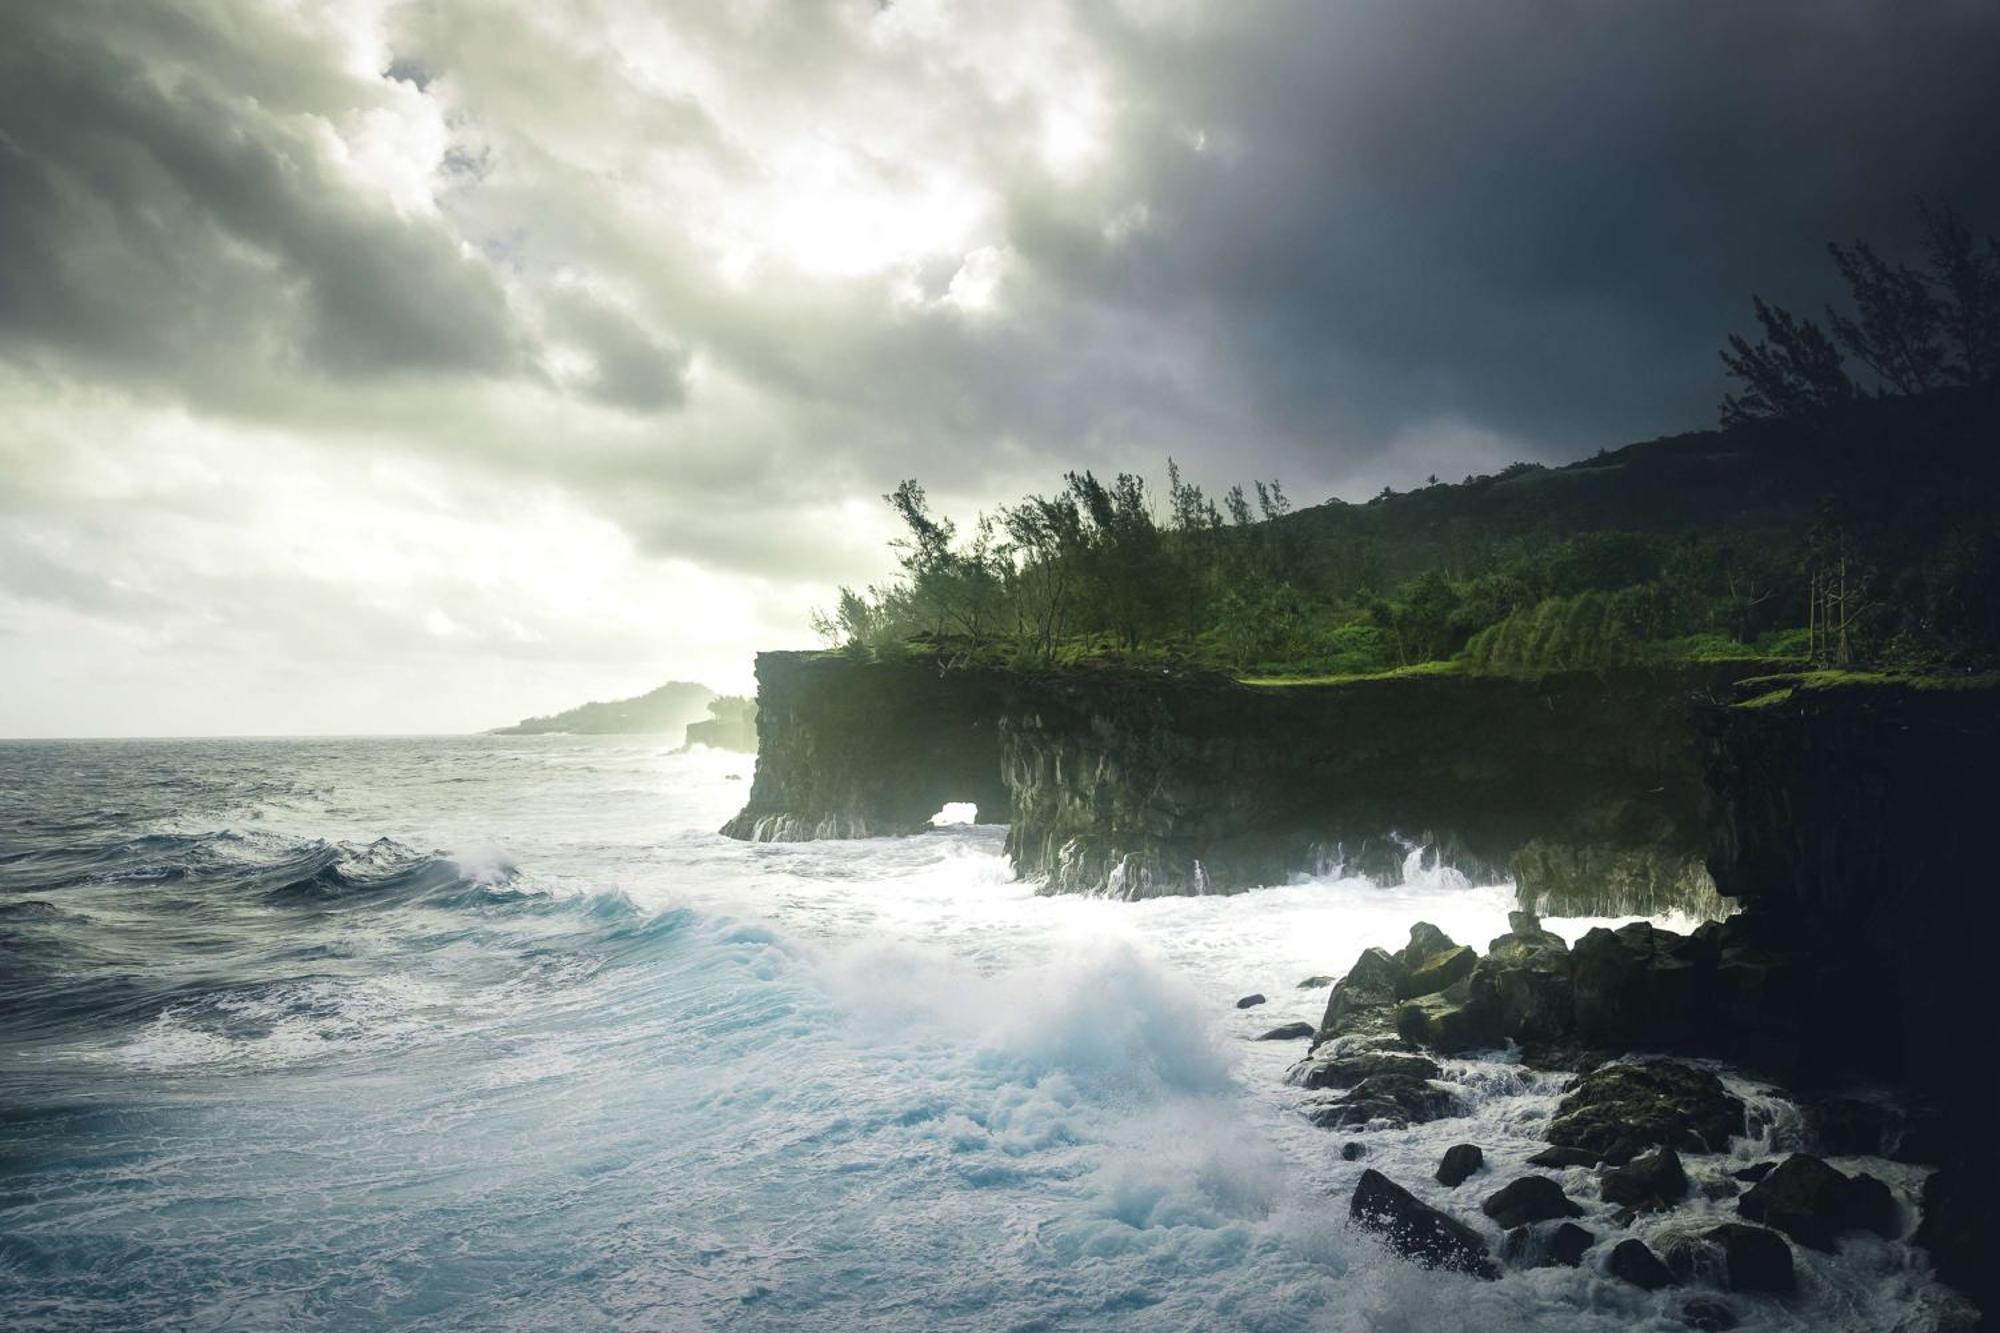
(498, 1033)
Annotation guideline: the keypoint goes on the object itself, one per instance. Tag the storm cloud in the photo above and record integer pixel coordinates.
(421, 364)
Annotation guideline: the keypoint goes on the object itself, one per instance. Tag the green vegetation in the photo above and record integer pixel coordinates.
(667, 709)
(1827, 523)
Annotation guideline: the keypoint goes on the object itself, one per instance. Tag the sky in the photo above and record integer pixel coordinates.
(419, 365)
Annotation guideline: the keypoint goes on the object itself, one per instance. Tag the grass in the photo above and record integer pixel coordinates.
(1447, 668)
(1826, 679)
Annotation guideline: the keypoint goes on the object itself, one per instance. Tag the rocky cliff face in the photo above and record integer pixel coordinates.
(1584, 788)
(855, 750)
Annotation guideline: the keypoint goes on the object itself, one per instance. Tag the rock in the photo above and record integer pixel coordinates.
(1542, 1246)
(1525, 983)
(1620, 1110)
(1562, 1158)
(1570, 1243)
(1632, 1261)
(1361, 1000)
(1855, 1127)
(1871, 1206)
(1344, 1071)
(1460, 1161)
(1289, 1032)
(1426, 943)
(1441, 971)
(1396, 1099)
(1416, 1230)
(1524, 922)
(1720, 1189)
(1315, 983)
(1957, 1223)
(1804, 1198)
(1445, 1022)
(1250, 1002)
(1757, 1259)
(1353, 1150)
(1755, 1172)
(1529, 1199)
(1637, 986)
(1692, 1259)
(1650, 1183)
(1707, 1314)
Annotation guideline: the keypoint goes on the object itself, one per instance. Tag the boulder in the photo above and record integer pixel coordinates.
(1362, 999)
(1315, 983)
(1545, 1246)
(1620, 1110)
(1957, 1221)
(1529, 1199)
(1446, 1022)
(1637, 986)
(1460, 1161)
(1755, 1172)
(1344, 1071)
(1562, 1158)
(1426, 943)
(1417, 1231)
(1650, 1183)
(1804, 1198)
(1856, 1127)
(1439, 972)
(1757, 1259)
(1353, 1150)
(1395, 1099)
(1289, 1032)
(1250, 1002)
(1525, 982)
(1632, 1261)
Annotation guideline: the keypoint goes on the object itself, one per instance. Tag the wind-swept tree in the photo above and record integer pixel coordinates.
(1894, 330)
(1966, 280)
(1793, 371)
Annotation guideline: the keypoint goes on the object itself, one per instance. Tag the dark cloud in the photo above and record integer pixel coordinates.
(158, 220)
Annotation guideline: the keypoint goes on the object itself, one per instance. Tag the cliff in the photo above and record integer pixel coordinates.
(1583, 787)
(848, 749)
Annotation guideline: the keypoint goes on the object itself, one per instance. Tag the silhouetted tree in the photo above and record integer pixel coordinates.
(1794, 371)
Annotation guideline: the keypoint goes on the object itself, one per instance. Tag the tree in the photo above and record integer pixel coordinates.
(1794, 371)
(1896, 331)
(1967, 283)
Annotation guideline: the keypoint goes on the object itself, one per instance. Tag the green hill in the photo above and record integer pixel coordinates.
(667, 709)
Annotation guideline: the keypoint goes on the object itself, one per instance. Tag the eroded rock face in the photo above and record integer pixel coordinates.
(1395, 1100)
(1345, 1071)
(1621, 1110)
(1637, 987)
(1416, 1230)
(1438, 972)
(1361, 1000)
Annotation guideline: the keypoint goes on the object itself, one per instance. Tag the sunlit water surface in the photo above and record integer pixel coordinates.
(498, 1033)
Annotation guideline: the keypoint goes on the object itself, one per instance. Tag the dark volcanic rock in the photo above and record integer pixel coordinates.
(1344, 1071)
(1289, 1032)
(1652, 1182)
(1633, 1262)
(1529, 1199)
(1397, 1099)
(1620, 1110)
(1439, 972)
(1758, 1260)
(1958, 1207)
(1353, 1150)
(1460, 1161)
(1638, 986)
(1544, 1246)
(1559, 1158)
(1446, 1022)
(1525, 983)
(1250, 1001)
(1416, 1230)
(1362, 999)
(1755, 1172)
(1315, 983)
(1426, 943)
(1707, 1314)
(1804, 1198)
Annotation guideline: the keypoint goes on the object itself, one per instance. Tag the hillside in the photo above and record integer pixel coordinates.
(667, 709)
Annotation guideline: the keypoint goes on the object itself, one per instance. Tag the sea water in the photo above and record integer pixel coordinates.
(497, 1032)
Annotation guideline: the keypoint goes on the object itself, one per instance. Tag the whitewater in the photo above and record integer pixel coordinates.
(497, 1032)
